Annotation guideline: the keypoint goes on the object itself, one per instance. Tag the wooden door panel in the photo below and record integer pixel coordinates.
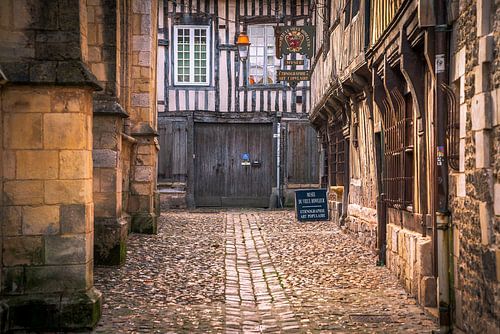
(208, 171)
(220, 178)
(302, 154)
(172, 158)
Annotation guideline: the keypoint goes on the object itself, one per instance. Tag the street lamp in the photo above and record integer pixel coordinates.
(243, 44)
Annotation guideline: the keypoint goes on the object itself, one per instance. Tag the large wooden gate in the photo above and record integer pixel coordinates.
(223, 175)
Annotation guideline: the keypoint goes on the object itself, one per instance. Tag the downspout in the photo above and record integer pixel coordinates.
(278, 163)
(441, 191)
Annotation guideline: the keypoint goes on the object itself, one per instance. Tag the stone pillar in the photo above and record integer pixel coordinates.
(47, 203)
(111, 228)
(143, 202)
(143, 115)
(48, 211)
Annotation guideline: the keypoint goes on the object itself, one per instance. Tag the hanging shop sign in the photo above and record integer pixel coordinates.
(311, 205)
(293, 77)
(295, 39)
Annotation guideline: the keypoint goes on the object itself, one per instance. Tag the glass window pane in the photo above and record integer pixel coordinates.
(192, 55)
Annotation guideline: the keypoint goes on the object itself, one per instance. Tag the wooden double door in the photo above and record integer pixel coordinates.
(233, 164)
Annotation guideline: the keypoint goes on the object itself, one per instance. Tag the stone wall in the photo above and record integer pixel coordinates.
(475, 187)
(69, 155)
(409, 257)
(143, 114)
(117, 109)
(362, 223)
(47, 230)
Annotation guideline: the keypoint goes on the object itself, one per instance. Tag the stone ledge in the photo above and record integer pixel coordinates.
(108, 106)
(54, 312)
(144, 130)
(62, 73)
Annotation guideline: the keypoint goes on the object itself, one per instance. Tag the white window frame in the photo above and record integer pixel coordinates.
(191, 29)
(265, 66)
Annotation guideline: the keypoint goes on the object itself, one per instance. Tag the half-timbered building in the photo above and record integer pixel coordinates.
(373, 106)
(230, 133)
(342, 115)
(404, 95)
(401, 58)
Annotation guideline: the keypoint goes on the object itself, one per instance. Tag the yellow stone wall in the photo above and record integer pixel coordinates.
(142, 76)
(47, 189)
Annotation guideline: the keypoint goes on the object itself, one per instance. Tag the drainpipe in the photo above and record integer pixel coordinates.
(278, 163)
(442, 227)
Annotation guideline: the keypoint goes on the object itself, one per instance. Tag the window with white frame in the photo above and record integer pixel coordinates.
(191, 55)
(262, 61)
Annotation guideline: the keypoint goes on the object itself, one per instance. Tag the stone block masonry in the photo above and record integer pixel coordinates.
(111, 228)
(142, 203)
(124, 177)
(473, 188)
(67, 153)
(48, 208)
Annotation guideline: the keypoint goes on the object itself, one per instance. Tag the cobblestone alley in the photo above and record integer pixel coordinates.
(252, 272)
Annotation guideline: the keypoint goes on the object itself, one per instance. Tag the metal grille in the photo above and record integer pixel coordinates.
(398, 155)
(336, 154)
(453, 128)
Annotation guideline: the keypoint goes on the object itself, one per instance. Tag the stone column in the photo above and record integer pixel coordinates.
(142, 109)
(47, 203)
(143, 204)
(111, 228)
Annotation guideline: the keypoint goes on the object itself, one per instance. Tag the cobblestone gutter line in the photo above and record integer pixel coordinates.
(255, 299)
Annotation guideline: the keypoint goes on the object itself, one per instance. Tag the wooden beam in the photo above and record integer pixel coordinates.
(412, 67)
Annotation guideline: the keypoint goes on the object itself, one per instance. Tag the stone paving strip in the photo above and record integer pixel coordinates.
(255, 300)
(252, 271)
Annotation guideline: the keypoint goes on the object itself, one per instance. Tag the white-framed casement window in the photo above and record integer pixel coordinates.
(262, 61)
(192, 55)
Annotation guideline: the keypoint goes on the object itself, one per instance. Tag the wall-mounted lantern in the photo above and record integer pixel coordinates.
(243, 44)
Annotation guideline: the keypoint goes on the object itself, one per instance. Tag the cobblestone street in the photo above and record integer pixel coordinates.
(252, 272)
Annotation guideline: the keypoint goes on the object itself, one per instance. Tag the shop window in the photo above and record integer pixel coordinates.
(324, 160)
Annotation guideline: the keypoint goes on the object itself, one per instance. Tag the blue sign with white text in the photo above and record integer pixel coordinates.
(311, 205)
